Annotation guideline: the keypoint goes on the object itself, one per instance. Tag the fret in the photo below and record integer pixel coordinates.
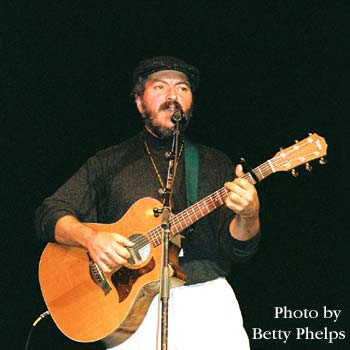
(264, 170)
(271, 166)
(206, 205)
(261, 177)
(249, 177)
(155, 236)
(177, 227)
(217, 199)
(194, 212)
(221, 202)
(180, 225)
(200, 209)
(186, 221)
(211, 203)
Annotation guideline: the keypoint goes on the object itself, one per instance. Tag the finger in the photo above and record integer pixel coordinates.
(238, 187)
(112, 259)
(239, 170)
(244, 183)
(120, 250)
(237, 199)
(122, 240)
(233, 205)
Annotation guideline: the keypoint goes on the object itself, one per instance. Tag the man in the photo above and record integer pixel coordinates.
(203, 314)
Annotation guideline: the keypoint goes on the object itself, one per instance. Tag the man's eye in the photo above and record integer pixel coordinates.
(183, 88)
(158, 87)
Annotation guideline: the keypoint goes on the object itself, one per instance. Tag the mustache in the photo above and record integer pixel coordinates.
(169, 104)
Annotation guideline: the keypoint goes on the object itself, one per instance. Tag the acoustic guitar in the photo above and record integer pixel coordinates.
(88, 305)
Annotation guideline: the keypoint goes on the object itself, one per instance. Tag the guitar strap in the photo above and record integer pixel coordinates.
(191, 171)
(191, 175)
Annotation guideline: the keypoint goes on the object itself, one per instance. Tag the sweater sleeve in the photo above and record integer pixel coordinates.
(76, 197)
(236, 250)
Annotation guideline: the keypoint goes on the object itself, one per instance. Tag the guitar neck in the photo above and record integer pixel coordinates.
(310, 148)
(208, 204)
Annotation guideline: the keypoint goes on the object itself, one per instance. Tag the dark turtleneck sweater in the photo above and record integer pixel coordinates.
(104, 188)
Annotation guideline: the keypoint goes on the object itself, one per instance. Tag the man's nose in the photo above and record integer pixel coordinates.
(172, 93)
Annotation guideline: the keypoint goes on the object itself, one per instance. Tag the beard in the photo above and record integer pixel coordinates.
(161, 131)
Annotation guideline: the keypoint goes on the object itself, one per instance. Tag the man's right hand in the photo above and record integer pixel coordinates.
(108, 250)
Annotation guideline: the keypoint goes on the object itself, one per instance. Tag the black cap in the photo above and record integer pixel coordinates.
(155, 64)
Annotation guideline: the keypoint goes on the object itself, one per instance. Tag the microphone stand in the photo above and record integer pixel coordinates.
(165, 225)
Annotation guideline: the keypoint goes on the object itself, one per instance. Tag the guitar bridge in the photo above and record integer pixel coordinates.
(98, 276)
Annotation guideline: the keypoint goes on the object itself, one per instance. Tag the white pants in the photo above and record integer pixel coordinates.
(204, 316)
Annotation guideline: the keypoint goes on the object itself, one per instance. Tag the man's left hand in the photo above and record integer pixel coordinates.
(242, 196)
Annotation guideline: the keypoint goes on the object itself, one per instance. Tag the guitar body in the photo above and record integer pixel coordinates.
(86, 309)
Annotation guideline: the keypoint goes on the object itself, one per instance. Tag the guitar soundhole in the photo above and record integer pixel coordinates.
(140, 251)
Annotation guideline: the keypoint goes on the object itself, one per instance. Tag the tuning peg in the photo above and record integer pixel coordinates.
(308, 167)
(322, 161)
(294, 173)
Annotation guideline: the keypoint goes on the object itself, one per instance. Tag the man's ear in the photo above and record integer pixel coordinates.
(139, 104)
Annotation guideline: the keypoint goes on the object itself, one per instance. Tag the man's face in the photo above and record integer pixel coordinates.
(165, 92)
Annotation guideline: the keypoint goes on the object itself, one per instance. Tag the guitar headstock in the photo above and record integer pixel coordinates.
(311, 148)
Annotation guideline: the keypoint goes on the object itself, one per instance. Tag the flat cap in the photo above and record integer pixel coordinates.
(155, 64)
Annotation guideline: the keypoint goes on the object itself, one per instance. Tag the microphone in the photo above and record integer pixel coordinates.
(179, 116)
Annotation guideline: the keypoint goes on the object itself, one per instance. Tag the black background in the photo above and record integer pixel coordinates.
(271, 71)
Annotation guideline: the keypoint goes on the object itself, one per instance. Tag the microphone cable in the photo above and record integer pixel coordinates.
(43, 315)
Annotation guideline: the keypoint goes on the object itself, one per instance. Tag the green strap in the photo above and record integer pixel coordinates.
(191, 171)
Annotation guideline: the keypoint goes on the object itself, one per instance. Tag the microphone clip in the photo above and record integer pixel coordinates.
(178, 117)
